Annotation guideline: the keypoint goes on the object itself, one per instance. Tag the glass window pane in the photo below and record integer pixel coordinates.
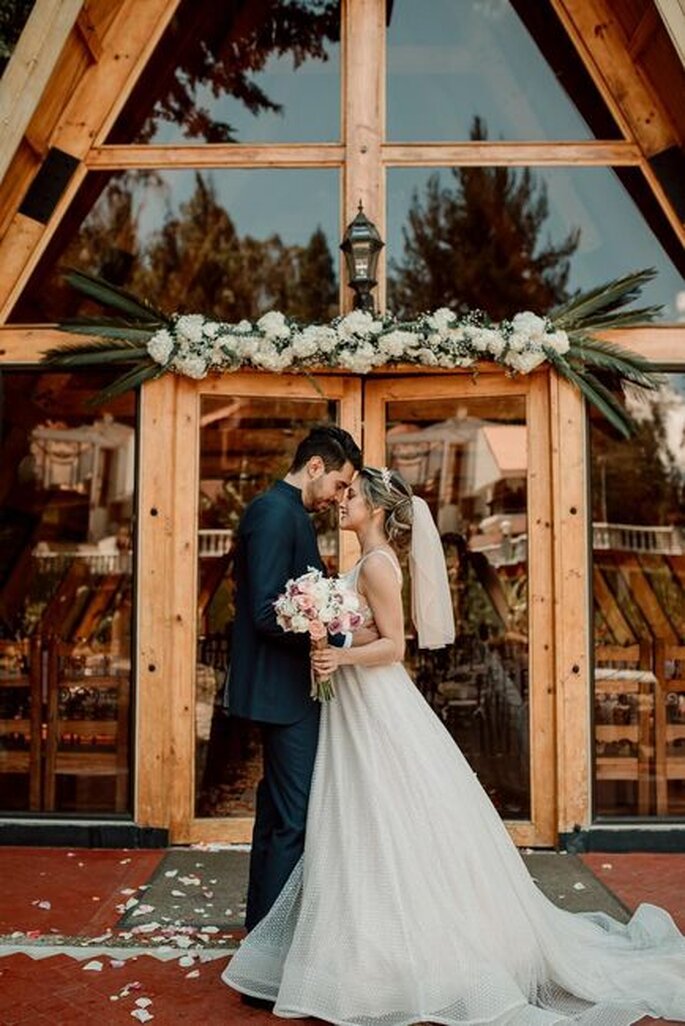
(509, 239)
(490, 67)
(638, 529)
(467, 459)
(245, 445)
(240, 71)
(66, 543)
(229, 244)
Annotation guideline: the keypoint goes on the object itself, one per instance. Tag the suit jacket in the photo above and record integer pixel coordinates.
(269, 677)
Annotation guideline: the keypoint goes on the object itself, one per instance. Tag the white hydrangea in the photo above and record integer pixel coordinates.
(360, 359)
(191, 365)
(326, 338)
(274, 325)
(306, 343)
(440, 319)
(358, 322)
(161, 346)
(428, 357)
(558, 340)
(211, 329)
(190, 327)
(266, 355)
(517, 342)
(396, 343)
(492, 340)
(528, 323)
(525, 362)
(243, 327)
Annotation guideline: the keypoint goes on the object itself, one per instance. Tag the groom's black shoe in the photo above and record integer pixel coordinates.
(257, 1002)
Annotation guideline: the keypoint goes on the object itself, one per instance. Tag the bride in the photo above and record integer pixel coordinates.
(411, 904)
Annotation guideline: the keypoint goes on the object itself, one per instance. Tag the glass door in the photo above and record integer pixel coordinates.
(246, 430)
(478, 453)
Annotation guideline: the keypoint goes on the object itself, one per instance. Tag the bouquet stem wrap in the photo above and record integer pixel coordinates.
(322, 687)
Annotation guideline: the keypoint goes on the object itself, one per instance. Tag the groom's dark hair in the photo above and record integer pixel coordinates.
(333, 444)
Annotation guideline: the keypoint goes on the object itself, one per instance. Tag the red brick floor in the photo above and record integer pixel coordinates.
(59, 991)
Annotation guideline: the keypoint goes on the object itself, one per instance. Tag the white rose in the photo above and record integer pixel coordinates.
(558, 340)
(190, 327)
(192, 366)
(440, 319)
(273, 325)
(161, 346)
(529, 324)
(243, 327)
(267, 356)
(211, 329)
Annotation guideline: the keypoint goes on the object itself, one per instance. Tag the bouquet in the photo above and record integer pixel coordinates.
(316, 605)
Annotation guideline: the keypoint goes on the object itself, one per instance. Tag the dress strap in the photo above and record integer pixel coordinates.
(391, 558)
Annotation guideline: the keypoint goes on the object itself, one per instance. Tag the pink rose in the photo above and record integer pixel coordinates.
(317, 631)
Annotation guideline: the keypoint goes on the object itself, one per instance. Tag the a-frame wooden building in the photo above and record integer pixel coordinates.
(209, 157)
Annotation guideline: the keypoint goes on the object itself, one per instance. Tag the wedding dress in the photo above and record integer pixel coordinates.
(411, 903)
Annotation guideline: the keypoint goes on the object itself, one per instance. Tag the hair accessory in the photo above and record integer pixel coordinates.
(385, 474)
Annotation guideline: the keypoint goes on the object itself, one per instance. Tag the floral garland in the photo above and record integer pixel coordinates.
(148, 342)
(195, 346)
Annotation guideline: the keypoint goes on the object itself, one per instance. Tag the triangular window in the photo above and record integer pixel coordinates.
(508, 63)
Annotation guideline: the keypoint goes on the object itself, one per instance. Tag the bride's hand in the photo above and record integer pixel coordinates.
(325, 661)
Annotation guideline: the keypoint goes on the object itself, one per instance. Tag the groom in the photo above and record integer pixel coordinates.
(269, 679)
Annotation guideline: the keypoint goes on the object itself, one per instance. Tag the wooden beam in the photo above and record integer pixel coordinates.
(572, 640)
(89, 34)
(102, 158)
(30, 67)
(644, 30)
(601, 43)
(363, 99)
(512, 154)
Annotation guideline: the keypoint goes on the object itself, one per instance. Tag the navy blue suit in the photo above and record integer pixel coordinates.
(269, 682)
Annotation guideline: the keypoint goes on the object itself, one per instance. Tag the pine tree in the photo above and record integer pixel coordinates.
(476, 242)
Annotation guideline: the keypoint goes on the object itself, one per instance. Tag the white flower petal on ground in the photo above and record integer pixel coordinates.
(94, 966)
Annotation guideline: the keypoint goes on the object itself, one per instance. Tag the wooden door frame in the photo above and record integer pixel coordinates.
(170, 465)
(541, 829)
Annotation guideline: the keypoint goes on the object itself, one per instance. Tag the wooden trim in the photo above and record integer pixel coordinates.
(363, 126)
(659, 343)
(156, 669)
(512, 154)
(543, 828)
(88, 35)
(541, 620)
(572, 633)
(30, 67)
(182, 578)
(216, 155)
(600, 41)
(180, 568)
(664, 202)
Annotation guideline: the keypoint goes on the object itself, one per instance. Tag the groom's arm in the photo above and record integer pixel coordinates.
(269, 538)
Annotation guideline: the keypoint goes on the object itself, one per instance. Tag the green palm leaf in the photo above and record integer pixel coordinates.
(621, 362)
(91, 356)
(110, 295)
(604, 302)
(116, 329)
(136, 376)
(595, 393)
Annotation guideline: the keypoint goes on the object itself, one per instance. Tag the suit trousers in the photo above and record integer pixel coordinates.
(289, 751)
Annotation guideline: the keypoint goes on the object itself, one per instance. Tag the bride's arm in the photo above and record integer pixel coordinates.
(379, 585)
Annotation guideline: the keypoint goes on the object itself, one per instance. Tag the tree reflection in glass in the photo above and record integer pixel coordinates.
(229, 243)
(237, 71)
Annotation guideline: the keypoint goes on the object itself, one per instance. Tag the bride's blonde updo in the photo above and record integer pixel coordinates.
(386, 489)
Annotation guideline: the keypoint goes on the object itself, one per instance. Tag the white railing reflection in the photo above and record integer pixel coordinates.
(667, 540)
(101, 563)
(214, 541)
(659, 540)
